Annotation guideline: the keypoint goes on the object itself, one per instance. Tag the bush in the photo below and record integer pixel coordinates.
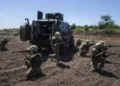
(94, 28)
(93, 41)
(73, 26)
(86, 28)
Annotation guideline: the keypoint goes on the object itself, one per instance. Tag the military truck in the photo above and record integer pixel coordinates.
(41, 31)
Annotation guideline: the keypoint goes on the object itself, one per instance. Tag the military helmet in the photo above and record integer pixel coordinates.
(57, 33)
(33, 48)
(102, 43)
(5, 38)
(78, 39)
(98, 45)
(87, 41)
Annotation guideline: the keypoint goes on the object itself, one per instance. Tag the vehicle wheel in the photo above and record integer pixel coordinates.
(25, 32)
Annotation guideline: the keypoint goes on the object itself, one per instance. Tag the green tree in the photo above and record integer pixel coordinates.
(106, 20)
(112, 26)
(101, 25)
(86, 28)
(91, 26)
(73, 26)
(95, 27)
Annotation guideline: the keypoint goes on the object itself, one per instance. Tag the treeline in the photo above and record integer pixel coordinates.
(106, 22)
(9, 31)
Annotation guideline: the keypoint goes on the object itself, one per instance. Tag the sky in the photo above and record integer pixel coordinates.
(80, 12)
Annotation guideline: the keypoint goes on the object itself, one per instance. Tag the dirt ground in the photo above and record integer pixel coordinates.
(99, 37)
(73, 71)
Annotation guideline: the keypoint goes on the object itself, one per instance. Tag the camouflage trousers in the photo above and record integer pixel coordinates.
(56, 51)
(33, 72)
(97, 65)
(83, 52)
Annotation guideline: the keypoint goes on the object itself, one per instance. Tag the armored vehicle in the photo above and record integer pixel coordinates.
(41, 31)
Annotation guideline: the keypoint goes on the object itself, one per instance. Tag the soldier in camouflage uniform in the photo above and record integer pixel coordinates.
(56, 42)
(34, 62)
(3, 42)
(78, 43)
(98, 56)
(84, 48)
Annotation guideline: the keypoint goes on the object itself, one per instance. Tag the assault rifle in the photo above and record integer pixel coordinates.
(24, 53)
(112, 46)
(105, 52)
(109, 53)
(109, 46)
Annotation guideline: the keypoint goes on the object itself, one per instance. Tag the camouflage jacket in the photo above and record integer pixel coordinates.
(3, 42)
(35, 60)
(78, 42)
(99, 54)
(84, 47)
(56, 41)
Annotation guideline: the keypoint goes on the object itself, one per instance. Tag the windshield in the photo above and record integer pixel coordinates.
(45, 28)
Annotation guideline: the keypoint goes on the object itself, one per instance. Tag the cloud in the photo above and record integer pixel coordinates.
(2, 14)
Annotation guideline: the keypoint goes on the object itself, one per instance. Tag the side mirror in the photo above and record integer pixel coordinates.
(27, 21)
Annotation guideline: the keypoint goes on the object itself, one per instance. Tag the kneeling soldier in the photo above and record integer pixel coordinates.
(98, 56)
(84, 48)
(78, 43)
(34, 62)
(3, 42)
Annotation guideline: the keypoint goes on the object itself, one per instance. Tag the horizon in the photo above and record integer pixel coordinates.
(80, 12)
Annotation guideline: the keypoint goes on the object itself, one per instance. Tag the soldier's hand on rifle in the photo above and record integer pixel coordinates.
(17, 51)
(101, 53)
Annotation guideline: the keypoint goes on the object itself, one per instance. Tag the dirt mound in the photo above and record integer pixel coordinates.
(105, 32)
(73, 71)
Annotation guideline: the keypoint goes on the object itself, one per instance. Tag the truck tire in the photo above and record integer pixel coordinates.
(25, 32)
(22, 32)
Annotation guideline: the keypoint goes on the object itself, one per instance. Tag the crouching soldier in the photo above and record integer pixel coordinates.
(55, 44)
(33, 62)
(98, 56)
(84, 48)
(78, 43)
(3, 43)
